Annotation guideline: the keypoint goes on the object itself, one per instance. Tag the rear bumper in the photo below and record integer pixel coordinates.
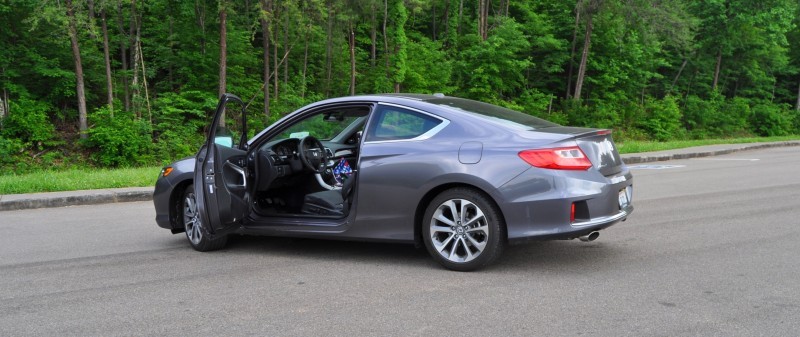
(578, 229)
(536, 205)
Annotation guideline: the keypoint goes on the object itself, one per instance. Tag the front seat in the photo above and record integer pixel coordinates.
(329, 202)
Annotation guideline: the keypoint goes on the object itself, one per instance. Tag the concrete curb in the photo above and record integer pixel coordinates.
(636, 158)
(73, 198)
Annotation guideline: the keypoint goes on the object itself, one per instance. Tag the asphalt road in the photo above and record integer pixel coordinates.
(711, 250)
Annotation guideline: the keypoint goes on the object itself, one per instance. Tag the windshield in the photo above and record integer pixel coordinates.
(324, 126)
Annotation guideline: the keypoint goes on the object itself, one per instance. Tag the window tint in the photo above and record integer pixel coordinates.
(392, 123)
(495, 113)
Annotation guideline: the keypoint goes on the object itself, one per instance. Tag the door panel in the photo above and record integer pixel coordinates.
(222, 167)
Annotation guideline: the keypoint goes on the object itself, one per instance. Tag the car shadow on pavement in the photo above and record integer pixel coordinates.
(545, 255)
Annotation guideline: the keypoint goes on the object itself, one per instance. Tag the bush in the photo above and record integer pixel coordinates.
(662, 118)
(120, 141)
(29, 123)
(179, 122)
(771, 120)
(10, 149)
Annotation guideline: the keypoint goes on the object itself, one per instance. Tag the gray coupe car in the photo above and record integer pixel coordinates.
(463, 178)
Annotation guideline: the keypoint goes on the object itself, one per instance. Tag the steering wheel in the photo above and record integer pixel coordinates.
(312, 154)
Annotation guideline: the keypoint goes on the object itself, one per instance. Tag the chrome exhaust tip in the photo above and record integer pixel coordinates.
(590, 237)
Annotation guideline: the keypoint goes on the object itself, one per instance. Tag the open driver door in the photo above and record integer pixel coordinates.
(220, 175)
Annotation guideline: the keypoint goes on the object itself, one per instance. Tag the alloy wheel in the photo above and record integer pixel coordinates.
(191, 219)
(459, 230)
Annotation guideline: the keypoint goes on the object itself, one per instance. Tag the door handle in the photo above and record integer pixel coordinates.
(238, 170)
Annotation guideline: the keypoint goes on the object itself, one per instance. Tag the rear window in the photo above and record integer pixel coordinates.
(495, 113)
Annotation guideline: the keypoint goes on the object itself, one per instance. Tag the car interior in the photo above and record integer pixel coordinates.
(310, 169)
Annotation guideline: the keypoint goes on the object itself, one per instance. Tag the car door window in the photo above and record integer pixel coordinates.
(394, 123)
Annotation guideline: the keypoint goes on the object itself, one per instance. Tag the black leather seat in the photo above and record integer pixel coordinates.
(330, 202)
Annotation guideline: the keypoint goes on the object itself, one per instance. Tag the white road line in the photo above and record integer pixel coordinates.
(727, 159)
(654, 167)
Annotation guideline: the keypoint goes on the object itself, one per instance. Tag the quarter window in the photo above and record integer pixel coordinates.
(393, 123)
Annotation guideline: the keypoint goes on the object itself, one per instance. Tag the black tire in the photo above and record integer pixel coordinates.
(196, 232)
(472, 238)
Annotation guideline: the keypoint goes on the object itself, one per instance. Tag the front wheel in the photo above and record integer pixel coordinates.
(193, 223)
(463, 229)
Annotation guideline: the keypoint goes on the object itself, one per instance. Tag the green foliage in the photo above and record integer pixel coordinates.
(662, 118)
(121, 141)
(29, 123)
(771, 120)
(179, 122)
(650, 72)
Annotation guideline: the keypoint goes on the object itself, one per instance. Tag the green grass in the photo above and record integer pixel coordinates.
(78, 179)
(633, 146)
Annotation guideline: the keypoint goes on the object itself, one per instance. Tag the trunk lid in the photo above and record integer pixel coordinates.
(597, 144)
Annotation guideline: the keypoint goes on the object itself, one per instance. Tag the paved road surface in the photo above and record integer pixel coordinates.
(712, 250)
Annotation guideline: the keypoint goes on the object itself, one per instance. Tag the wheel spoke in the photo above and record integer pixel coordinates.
(470, 256)
(440, 246)
(478, 245)
(440, 229)
(478, 216)
(465, 205)
(481, 228)
(440, 217)
(453, 250)
(453, 211)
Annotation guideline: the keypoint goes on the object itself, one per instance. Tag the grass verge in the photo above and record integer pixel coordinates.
(633, 146)
(78, 179)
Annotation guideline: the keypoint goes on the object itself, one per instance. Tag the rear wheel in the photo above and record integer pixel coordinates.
(463, 229)
(193, 223)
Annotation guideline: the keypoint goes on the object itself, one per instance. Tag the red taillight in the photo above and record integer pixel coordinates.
(562, 158)
(603, 132)
(572, 214)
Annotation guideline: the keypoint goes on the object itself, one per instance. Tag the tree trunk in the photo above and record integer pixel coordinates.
(265, 6)
(433, 17)
(796, 107)
(587, 43)
(144, 78)
(460, 15)
(135, 101)
(716, 70)
(675, 81)
(286, 48)
(386, 38)
(275, 81)
(126, 96)
(3, 107)
(109, 86)
(574, 45)
(76, 55)
(223, 48)
(373, 34)
(305, 66)
(483, 22)
(352, 61)
(200, 15)
(329, 51)
(133, 28)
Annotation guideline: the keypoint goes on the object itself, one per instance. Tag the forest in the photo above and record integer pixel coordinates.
(117, 83)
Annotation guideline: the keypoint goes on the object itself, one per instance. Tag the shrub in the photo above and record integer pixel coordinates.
(29, 122)
(120, 141)
(771, 120)
(662, 118)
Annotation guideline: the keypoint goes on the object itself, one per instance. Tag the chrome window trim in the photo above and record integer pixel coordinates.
(430, 133)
